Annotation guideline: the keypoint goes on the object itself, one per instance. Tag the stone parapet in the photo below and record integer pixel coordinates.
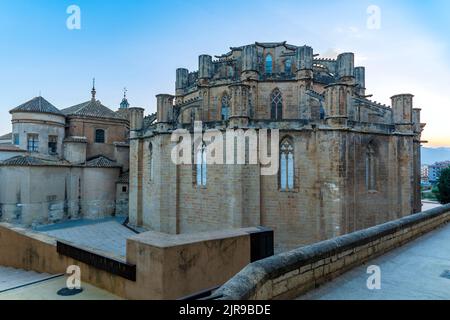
(157, 265)
(290, 274)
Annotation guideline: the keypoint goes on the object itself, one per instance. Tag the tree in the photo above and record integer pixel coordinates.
(444, 187)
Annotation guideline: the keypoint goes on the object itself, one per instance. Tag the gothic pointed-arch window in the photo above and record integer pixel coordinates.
(230, 71)
(201, 172)
(150, 161)
(287, 173)
(371, 183)
(276, 105)
(342, 101)
(288, 66)
(322, 111)
(225, 109)
(269, 64)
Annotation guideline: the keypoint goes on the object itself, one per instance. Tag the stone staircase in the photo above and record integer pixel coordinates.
(12, 278)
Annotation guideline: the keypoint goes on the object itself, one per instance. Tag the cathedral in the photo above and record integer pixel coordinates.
(346, 162)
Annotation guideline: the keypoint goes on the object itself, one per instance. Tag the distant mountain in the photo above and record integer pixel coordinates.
(432, 155)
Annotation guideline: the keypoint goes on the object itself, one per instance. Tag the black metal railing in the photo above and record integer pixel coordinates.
(98, 261)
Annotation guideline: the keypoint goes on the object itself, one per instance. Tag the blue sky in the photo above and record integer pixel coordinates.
(139, 44)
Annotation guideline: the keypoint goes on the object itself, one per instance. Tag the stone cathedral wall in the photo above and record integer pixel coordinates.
(330, 197)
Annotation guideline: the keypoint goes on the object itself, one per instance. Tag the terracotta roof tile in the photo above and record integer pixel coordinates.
(92, 108)
(7, 136)
(10, 147)
(39, 105)
(23, 161)
(124, 177)
(101, 162)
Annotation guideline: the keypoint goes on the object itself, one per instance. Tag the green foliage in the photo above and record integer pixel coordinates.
(429, 196)
(443, 186)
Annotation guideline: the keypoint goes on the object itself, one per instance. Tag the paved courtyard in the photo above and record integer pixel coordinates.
(12, 278)
(427, 205)
(18, 284)
(106, 234)
(419, 270)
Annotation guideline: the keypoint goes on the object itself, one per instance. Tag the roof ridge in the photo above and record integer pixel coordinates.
(78, 106)
(7, 135)
(101, 161)
(38, 105)
(23, 160)
(92, 108)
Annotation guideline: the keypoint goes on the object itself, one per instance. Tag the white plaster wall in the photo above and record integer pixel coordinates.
(41, 129)
(75, 152)
(40, 195)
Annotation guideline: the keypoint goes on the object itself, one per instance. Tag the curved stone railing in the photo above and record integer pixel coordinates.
(290, 274)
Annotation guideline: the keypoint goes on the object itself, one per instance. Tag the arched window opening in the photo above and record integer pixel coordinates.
(322, 111)
(288, 66)
(371, 183)
(269, 64)
(230, 72)
(99, 136)
(342, 102)
(287, 165)
(201, 166)
(150, 161)
(251, 111)
(276, 103)
(225, 111)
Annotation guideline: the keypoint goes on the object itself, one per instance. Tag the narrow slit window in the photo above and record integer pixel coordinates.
(150, 161)
(371, 183)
